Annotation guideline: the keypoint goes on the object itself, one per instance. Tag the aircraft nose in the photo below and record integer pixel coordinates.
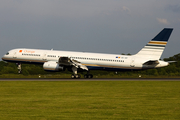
(4, 58)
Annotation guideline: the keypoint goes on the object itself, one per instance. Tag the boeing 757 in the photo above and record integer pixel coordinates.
(147, 58)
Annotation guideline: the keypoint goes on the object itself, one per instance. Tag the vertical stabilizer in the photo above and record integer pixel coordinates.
(154, 49)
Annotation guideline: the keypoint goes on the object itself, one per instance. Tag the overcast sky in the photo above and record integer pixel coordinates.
(103, 26)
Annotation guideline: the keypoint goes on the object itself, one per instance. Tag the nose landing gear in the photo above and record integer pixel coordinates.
(19, 67)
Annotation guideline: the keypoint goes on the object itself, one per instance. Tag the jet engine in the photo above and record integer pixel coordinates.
(52, 66)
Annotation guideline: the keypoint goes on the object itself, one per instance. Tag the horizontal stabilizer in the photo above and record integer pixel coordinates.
(151, 62)
(171, 61)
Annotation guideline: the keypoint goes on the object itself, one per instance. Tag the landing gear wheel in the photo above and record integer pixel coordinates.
(72, 76)
(88, 76)
(75, 76)
(19, 71)
(85, 76)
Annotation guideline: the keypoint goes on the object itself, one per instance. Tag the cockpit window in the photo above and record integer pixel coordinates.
(7, 53)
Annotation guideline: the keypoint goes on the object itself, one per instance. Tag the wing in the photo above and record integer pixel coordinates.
(71, 62)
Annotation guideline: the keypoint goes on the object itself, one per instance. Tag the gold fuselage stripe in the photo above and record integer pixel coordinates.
(161, 43)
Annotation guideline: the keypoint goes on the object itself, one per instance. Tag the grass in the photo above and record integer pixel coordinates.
(77, 100)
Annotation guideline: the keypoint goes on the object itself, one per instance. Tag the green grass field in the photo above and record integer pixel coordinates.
(51, 100)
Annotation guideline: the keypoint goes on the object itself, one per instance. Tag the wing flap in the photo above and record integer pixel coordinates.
(77, 64)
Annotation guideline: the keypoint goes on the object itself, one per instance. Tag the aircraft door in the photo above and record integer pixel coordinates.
(132, 64)
(14, 56)
(45, 56)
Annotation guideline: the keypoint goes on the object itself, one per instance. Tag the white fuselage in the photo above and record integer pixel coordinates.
(91, 60)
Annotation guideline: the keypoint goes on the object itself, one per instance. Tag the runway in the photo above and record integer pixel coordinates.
(100, 79)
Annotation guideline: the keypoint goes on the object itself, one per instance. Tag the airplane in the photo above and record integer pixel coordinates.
(147, 58)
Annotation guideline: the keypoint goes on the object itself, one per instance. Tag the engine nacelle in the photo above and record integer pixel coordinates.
(52, 66)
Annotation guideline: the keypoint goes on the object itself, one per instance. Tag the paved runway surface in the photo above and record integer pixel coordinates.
(106, 79)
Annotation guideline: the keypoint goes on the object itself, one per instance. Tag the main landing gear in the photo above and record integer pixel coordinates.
(86, 76)
(75, 75)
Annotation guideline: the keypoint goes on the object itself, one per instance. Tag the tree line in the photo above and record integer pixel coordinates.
(35, 69)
